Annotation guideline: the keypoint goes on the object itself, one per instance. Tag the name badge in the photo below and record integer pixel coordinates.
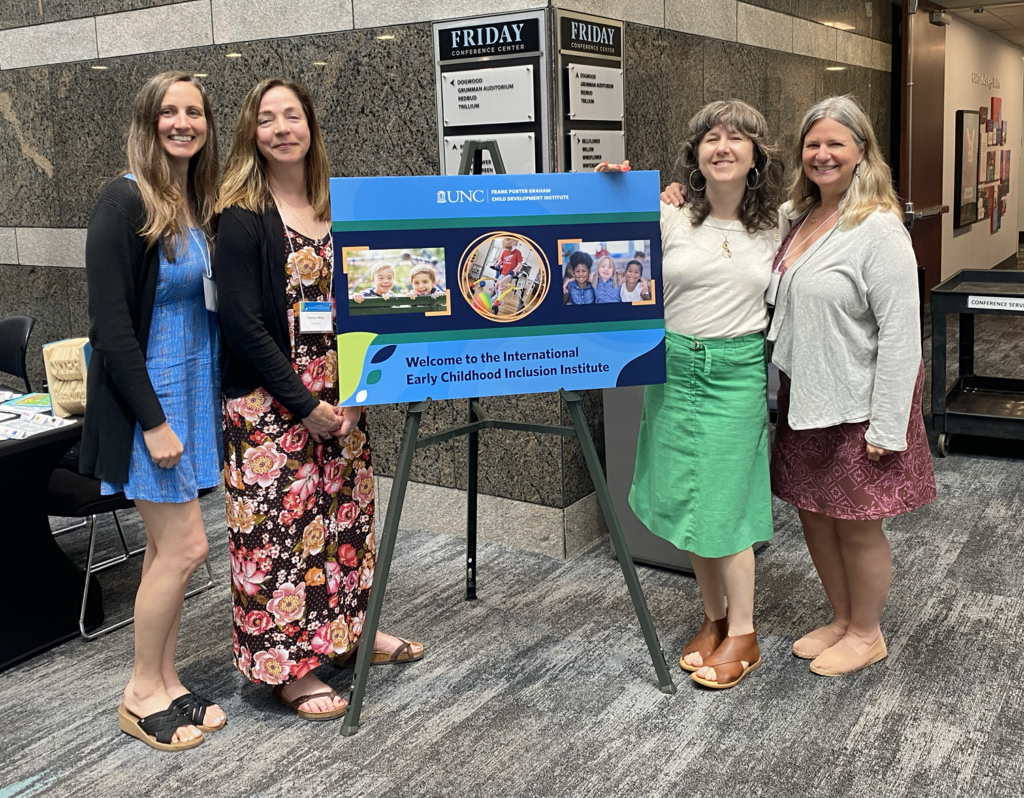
(210, 293)
(315, 317)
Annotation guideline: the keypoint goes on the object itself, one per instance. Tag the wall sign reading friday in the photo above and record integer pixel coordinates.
(496, 285)
(492, 85)
(590, 104)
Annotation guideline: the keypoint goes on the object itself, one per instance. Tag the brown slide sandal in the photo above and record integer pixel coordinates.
(156, 730)
(400, 655)
(294, 705)
(728, 661)
(704, 642)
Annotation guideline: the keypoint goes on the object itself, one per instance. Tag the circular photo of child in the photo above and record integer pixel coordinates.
(504, 276)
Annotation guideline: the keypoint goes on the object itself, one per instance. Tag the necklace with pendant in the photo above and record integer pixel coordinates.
(726, 252)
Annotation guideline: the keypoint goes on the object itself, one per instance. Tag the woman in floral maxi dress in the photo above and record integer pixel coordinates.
(298, 470)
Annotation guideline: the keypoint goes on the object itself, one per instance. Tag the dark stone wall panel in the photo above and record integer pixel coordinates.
(374, 99)
(40, 292)
(28, 162)
(863, 17)
(664, 88)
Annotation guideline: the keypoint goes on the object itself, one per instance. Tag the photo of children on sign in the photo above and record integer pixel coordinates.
(504, 277)
(595, 272)
(395, 280)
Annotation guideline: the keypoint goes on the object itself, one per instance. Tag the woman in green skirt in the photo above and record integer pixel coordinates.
(701, 479)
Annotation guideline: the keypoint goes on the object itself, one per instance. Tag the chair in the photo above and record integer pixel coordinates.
(73, 495)
(14, 333)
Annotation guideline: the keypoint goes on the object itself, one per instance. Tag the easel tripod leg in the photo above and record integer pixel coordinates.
(604, 498)
(471, 508)
(385, 550)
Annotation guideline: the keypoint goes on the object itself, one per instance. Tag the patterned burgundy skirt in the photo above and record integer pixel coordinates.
(828, 471)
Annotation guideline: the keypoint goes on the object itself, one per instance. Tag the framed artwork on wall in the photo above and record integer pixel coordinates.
(965, 175)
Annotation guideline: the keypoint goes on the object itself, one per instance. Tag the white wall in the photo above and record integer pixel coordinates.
(971, 50)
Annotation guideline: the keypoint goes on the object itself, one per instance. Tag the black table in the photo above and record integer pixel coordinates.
(44, 588)
(976, 405)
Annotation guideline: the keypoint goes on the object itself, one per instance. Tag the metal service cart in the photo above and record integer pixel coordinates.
(987, 406)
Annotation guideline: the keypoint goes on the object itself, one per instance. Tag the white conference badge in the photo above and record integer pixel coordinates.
(315, 317)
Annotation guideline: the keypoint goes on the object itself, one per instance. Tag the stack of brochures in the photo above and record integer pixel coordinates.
(23, 415)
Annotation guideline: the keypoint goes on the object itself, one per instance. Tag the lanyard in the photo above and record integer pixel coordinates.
(204, 253)
(797, 235)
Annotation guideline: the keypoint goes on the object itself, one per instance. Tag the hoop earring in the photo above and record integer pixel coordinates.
(757, 179)
(689, 181)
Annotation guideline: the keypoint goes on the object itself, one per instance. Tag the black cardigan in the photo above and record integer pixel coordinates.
(121, 275)
(249, 265)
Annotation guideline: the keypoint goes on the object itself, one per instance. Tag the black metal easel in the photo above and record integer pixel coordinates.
(479, 420)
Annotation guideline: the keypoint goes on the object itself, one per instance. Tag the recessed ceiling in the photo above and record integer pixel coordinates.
(1003, 18)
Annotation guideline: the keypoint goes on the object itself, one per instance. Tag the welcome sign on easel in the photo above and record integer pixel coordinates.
(487, 285)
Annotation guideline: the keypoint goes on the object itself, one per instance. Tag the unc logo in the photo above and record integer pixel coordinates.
(461, 196)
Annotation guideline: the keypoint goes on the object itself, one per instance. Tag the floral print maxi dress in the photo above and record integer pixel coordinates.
(299, 513)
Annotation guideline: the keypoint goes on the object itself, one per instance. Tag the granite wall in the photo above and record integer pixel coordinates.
(69, 68)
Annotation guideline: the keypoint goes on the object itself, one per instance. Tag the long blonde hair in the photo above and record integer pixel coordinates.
(166, 208)
(245, 177)
(871, 189)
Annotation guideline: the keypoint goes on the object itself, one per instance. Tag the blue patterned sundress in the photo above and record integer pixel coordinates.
(183, 361)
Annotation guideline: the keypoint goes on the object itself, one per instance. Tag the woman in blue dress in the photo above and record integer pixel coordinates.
(152, 429)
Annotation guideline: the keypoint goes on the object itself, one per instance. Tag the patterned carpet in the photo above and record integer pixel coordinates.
(543, 687)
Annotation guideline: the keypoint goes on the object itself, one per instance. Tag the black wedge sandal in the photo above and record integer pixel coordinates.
(157, 730)
(194, 708)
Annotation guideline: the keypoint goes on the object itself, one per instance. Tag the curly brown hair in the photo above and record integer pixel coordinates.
(760, 207)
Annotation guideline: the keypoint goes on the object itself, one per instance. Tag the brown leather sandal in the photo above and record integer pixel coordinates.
(728, 661)
(404, 653)
(704, 642)
(295, 703)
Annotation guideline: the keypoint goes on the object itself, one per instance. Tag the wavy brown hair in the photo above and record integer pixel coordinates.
(760, 207)
(166, 208)
(871, 189)
(245, 177)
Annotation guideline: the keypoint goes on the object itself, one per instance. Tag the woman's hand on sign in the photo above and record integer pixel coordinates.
(163, 445)
(604, 166)
(674, 194)
(876, 453)
(349, 417)
(322, 422)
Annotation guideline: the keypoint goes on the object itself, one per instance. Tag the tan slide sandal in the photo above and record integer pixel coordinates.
(294, 705)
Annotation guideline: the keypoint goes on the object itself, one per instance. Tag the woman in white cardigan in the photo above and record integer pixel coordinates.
(850, 446)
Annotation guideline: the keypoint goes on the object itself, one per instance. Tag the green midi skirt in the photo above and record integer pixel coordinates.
(701, 480)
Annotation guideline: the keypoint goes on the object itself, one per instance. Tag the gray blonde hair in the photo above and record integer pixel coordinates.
(871, 189)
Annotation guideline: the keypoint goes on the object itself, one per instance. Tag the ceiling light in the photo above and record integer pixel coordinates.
(319, 63)
(835, 69)
(385, 37)
(232, 55)
(98, 66)
(839, 25)
(200, 74)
